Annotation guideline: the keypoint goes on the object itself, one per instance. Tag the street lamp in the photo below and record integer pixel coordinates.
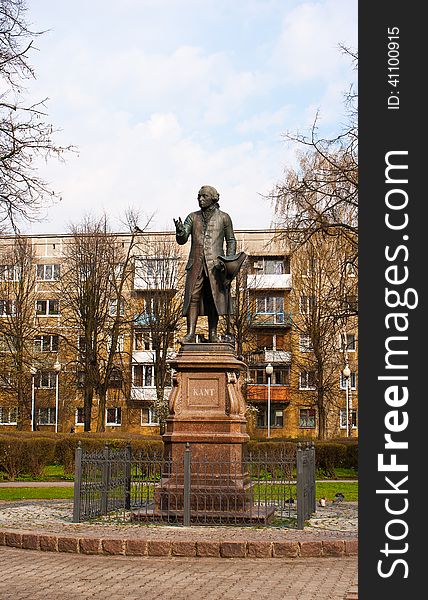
(269, 371)
(346, 374)
(33, 372)
(57, 368)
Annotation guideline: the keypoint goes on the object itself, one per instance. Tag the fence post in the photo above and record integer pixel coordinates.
(128, 459)
(77, 483)
(313, 479)
(300, 487)
(105, 481)
(186, 486)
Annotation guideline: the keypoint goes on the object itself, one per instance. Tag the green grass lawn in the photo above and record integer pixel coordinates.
(29, 493)
(266, 491)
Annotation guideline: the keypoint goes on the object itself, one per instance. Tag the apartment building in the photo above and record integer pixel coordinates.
(45, 351)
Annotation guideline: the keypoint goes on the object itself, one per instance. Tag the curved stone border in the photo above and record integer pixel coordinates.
(141, 547)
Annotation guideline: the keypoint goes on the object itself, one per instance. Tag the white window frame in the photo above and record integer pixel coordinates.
(352, 378)
(314, 418)
(142, 335)
(153, 421)
(7, 308)
(118, 416)
(12, 415)
(48, 312)
(345, 343)
(120, 343)
(144, 367)
(39, 340)
(50, 412)
(305, 343)
(51, 380)
(112, 311)
(76, 418)
(306, 382)
(342, 418)
(306, 304)
(10, 273)
(42, 270)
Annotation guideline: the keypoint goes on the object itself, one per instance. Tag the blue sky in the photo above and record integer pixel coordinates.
(164, 96)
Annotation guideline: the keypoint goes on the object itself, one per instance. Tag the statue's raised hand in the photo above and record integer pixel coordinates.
(179, 227)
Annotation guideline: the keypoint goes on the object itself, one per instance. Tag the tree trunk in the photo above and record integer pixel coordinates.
(87, 409)
(101, 420)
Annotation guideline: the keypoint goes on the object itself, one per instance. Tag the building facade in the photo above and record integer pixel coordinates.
(310, 385)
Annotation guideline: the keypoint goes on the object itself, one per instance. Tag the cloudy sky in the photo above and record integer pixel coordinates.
(163, 96)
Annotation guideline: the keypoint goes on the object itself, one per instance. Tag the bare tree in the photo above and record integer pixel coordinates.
(159, 303)
(321, 195)
(24, 134)
(17, 329)
(97, 272)
(322, 316)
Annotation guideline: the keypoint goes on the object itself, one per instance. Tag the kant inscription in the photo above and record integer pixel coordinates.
(203, 392)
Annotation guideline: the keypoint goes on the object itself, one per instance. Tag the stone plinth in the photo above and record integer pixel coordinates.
(206, 405)
(207, 411)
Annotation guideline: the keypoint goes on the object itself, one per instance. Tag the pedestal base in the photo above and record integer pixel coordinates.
(207, 412)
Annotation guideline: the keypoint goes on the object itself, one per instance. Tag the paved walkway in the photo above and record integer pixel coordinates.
(30, 575)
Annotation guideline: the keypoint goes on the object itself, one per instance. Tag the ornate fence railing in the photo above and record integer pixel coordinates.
(151, 488)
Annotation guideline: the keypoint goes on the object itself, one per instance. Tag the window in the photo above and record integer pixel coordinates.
(271, 265)
(46, 343)
(115, 380)
(80, 379)
(280, 376)
(307, 304)
(46, 379)
(7, 308)
(119, 343)
(305, 343)
(47, 308)
(307, 418)
(48, 272)
(271, 305)
(310, 267)
(148, 416)
(81, 344)
(352, 416)
(46, 416)
(8, 416)
(270, 341)
(143, 376)
(113, 308)
(142, 340)
(307, 380)
(7, 343)
(10, 273)
(348, 342)
(276, 417)
(352, 381)
(114, 416)
(80, 416)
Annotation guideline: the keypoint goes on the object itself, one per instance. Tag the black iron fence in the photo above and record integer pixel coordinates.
(139, 487)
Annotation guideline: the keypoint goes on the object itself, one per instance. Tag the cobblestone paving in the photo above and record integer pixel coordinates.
(331, 521)
(32, 575)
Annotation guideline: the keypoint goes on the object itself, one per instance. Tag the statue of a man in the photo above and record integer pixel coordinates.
(205, 291)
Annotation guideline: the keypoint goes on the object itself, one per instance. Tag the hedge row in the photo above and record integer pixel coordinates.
(27, 453)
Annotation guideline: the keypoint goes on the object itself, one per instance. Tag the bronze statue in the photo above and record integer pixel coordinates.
(209, 271)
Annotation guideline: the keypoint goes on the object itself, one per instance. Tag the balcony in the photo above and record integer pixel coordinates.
(270, 356)
(277, 319)
(147, 394)
(269, 282)
(257, 392)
